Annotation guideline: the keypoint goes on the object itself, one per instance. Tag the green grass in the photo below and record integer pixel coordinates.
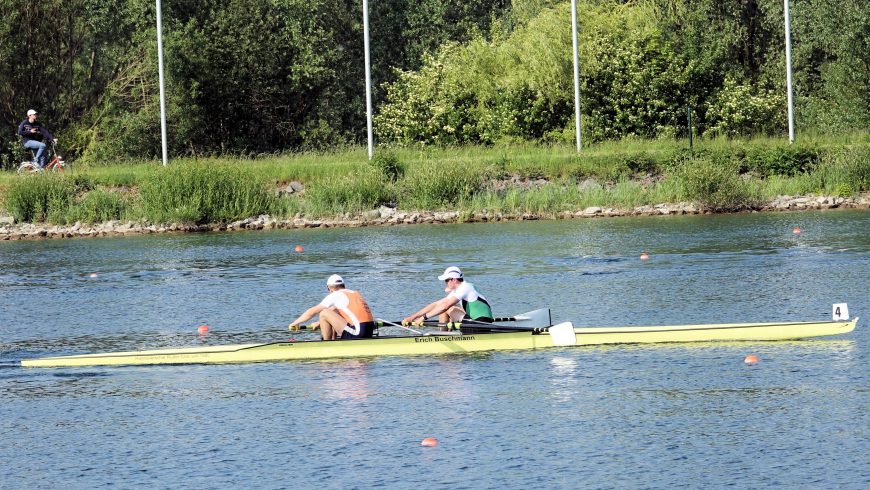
(626, 174)
(203, 192)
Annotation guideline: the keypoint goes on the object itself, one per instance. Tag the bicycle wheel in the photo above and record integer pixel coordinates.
(28, 168)
(57, 164)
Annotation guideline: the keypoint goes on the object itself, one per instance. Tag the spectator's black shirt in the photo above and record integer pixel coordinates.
(41, 134)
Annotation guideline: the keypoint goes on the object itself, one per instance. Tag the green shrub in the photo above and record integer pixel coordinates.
(788, 160)
(389, 165)
(843, 190)
(843, 172)
(519, 87)
(639, 163)
(716, 187)
(633, 82)
(740, 109)
(13, 154)
(192, 192)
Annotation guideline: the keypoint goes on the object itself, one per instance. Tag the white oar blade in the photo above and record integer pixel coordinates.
(563, 334)
(534, 319)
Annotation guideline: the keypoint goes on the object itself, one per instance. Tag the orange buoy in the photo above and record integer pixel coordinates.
(429, 442)
(203, 329)
(644, 256)
(751, 359)
(797, 230)
(299, 248)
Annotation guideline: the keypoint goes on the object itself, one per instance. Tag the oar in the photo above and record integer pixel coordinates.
(467, 322)
(383, 322)
(380, 323)
(535, 321)
(535, 318)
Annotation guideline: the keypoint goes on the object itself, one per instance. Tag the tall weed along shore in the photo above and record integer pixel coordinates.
(455, 185)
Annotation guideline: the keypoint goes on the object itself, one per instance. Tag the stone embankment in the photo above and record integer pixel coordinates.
(386, 216)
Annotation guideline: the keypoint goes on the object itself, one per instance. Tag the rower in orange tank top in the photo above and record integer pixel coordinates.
(344, 314)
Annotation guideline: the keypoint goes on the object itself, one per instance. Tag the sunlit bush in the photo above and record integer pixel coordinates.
(716, 187)
(740, 109)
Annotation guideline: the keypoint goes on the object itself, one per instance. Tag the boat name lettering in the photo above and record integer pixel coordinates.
(444, 338)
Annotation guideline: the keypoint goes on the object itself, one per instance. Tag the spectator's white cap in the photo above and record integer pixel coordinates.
(31, 112)
(334, 280)
(451, 272)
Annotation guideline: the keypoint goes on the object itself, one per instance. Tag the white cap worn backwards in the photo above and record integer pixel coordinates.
(31, 112)
(334, 280)
(451, 272)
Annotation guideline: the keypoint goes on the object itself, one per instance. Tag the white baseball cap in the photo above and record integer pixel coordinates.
(334, 280)
(451, 272)
(31, 112)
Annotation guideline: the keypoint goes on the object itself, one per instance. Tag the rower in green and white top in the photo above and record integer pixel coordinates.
(462, 302)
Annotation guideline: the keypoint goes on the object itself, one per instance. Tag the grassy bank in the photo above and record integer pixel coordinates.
(721, 175)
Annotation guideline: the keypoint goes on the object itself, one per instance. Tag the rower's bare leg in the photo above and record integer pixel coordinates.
(331, 324)
(456, 313)
(443, 319)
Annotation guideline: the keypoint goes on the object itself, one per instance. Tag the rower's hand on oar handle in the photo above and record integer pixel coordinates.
(312, 326)
(411, 321)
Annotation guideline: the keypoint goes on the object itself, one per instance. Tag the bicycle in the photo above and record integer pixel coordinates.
(56, 164)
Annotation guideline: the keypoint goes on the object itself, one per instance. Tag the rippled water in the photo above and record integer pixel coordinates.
(620, 416)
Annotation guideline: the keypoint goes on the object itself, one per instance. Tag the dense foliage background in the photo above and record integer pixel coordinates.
(259, 76)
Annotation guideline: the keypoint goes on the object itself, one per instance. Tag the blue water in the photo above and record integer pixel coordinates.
(607, 417)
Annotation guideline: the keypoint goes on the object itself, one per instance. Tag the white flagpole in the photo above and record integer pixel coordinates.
(788, 73)
(160, 78)
(576, 74)
(368, 78)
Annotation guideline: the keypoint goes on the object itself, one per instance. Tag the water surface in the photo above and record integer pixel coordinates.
(596, 417)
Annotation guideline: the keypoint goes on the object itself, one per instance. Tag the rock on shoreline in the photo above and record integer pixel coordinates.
(386, 216)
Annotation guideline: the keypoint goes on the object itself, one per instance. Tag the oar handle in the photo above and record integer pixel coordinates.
(436, 323)
(433, 323)
(310, 326)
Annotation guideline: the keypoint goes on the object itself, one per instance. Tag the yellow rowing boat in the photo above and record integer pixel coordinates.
(564, 334)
